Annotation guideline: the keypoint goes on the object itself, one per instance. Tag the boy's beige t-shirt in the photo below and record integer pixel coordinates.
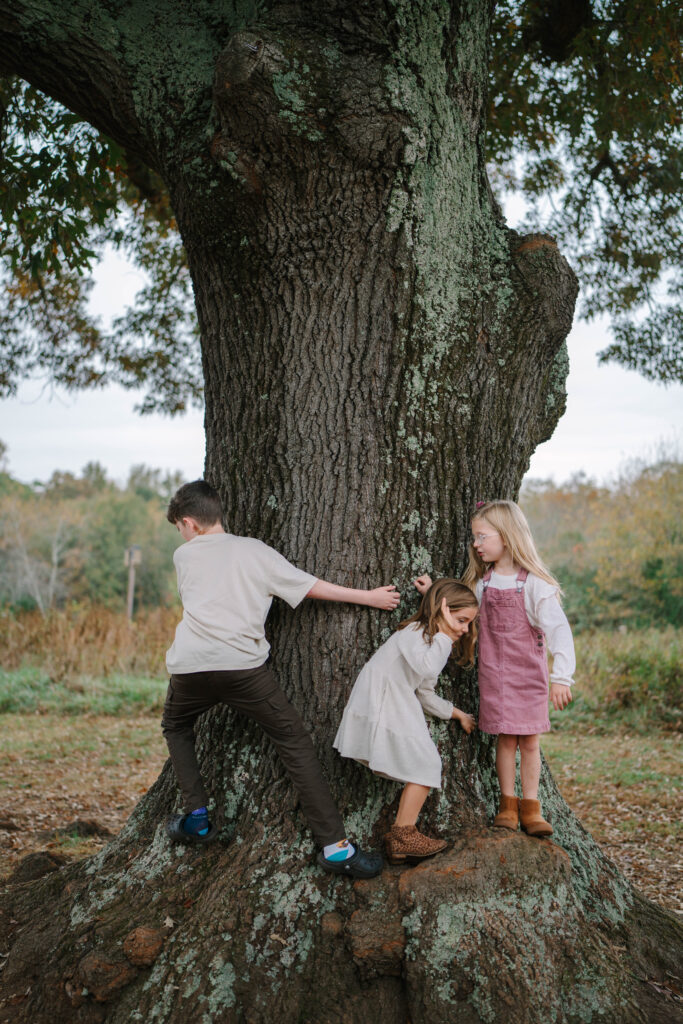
(227, 584)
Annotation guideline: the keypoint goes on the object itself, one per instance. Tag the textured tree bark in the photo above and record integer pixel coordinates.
(380, 351)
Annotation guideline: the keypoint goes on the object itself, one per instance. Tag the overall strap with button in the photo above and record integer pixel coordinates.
(537, 631)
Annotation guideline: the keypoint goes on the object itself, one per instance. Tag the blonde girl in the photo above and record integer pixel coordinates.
(520, 615)
(384, 726)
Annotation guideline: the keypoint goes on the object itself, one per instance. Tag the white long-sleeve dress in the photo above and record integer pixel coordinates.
(383, 725)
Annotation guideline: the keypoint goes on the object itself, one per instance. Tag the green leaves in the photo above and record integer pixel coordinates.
(585, 121)
(653, 347)
(65, 192)
(63, 541)
(616, 548)
(57, 186)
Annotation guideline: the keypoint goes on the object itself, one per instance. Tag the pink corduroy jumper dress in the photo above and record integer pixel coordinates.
(513, 666)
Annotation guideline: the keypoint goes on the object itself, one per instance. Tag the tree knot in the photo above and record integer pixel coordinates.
(239, 60)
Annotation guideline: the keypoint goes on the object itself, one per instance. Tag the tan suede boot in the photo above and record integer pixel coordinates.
(508, 813)
(405, 844)
(533, 822)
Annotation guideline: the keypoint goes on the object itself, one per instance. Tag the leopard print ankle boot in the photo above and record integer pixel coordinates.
(405, 844)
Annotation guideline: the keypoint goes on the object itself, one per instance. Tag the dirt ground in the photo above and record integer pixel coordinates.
(626, 788)
(58, 770)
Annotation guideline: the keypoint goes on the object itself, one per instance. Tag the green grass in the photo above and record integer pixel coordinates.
(627, 760)
(52, 741)
(28, 690)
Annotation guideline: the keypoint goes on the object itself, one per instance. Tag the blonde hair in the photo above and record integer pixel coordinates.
(428, 614)
(507, 519)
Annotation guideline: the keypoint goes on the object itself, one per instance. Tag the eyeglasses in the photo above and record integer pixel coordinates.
(479, 537)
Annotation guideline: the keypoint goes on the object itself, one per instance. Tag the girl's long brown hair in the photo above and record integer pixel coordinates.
(428, 614)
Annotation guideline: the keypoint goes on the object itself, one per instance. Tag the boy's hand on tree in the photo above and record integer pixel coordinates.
(423, 583)
(386, 598)
(560, 695)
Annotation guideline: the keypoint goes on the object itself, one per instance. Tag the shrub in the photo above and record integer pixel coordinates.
(632, 677)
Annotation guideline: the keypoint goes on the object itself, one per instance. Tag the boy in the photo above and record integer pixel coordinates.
(226, 584)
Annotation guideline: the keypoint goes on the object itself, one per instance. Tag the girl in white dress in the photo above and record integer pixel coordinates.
(384, 726)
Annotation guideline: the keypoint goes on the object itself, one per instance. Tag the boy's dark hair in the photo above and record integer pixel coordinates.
(199, 500)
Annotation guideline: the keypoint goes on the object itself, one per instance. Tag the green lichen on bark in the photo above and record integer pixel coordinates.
(556, 396)
(437, 194)
(483, 949)
(295, 90)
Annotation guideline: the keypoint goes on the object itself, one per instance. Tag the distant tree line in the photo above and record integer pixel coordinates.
(64, 541)
(617, 549)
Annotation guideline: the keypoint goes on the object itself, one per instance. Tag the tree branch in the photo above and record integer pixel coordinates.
(91, 59)
(61, 55)
(607, 163)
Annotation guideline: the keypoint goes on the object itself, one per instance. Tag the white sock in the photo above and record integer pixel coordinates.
(339, 851)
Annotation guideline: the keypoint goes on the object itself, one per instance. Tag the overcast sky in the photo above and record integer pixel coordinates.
(613, 415)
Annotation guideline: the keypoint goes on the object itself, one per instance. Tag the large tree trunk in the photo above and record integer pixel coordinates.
(379, 353)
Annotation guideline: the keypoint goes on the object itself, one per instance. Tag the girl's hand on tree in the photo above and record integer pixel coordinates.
(560, 695)
(423, 583)
(467, 721)
(386, 598)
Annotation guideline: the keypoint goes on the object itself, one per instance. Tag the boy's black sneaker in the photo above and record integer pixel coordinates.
(360, 865)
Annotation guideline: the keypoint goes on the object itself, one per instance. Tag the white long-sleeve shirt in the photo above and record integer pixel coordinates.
(544, 612)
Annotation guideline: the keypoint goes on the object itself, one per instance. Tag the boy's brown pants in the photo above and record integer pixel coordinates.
(256, 693)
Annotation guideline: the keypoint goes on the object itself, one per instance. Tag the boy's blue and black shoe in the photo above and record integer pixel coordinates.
(177, 833)
(360, 865)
